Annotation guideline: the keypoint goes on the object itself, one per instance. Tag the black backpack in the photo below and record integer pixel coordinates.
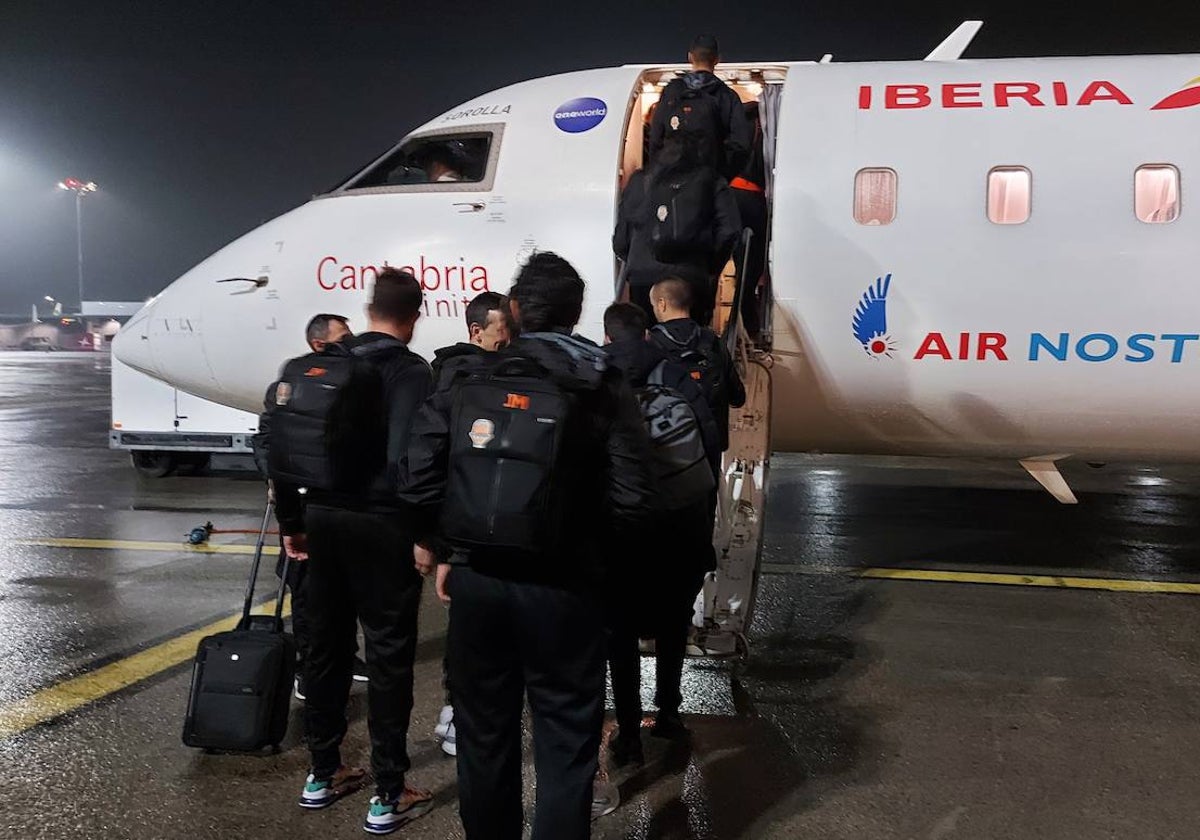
(692, 114)
(507, 420)
(680, 211)
(701, 357)
(328, 419)
(680, 463)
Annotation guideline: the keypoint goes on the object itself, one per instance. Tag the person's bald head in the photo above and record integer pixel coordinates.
(671, 298)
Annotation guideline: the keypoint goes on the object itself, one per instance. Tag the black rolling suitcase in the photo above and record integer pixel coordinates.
(242, 679)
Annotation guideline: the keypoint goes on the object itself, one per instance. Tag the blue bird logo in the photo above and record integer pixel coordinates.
(870, 320)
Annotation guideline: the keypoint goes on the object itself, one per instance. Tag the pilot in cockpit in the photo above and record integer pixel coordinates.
(442, 162)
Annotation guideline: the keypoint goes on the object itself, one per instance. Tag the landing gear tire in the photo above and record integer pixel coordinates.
(151, 464)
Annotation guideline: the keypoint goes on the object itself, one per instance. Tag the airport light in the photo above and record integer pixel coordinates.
(80, 188)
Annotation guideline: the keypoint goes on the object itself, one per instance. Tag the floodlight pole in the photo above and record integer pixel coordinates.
(80, 188)
(79, 242)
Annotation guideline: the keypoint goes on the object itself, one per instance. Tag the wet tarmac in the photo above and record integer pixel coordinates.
(867, 709)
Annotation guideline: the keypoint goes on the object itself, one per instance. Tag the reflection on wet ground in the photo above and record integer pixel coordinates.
(868, 709)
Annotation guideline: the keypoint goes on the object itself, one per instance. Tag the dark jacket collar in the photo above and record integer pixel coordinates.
(635, 358)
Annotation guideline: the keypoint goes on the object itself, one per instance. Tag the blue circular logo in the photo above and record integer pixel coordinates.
(581, 114)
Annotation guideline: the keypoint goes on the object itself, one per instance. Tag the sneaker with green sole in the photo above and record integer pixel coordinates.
(321, 793)
(385, 816)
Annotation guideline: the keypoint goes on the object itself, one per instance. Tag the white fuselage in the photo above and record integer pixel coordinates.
(1074, 333)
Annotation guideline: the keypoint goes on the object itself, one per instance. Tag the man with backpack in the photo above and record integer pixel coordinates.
(487, 331)
(678, 218)
(698, 349)
(664, 567)
(700, 106)
(339, 431)
(529, 464)
(321, 331)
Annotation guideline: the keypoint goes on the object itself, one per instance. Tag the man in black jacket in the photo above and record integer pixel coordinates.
(320, 332)
(488, 330)
(359, 566)
(664, 567)
(530, 621)
(730, 135)
(709, 199)
(677, 334)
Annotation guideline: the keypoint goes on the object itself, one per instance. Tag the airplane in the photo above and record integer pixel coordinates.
(966, 258)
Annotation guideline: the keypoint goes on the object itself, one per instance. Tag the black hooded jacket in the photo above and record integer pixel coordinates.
(638, 358)
(684, 333)
(732, 146)
(603, 476)
(632, 235)
(406, 383)
(448, 360)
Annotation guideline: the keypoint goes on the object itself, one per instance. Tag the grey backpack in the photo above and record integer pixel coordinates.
(680, 464)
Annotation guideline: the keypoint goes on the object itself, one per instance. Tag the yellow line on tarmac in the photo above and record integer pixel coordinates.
(54, 701)
(1045, 581)
(1170, 587)
(144, 545)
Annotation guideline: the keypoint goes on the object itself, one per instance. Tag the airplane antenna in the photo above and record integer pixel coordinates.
(957, 42)
(826, 59)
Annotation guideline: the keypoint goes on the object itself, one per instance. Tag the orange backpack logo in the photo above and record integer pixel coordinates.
(518, 401)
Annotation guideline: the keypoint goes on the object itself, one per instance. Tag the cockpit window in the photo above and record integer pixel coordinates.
(455, 161)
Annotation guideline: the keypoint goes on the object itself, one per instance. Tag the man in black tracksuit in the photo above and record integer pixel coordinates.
(360, 566)
(526, 623)
(633, 234)
(729, 145)
(651, 596)
(749, 193)
(677, 333)
(321, 331)
(488, 330)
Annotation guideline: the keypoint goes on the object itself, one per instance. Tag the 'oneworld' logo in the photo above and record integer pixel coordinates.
(580, 115)
(1186, 98)
(870, 320)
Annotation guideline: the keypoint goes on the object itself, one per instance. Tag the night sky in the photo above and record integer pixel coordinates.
(199, 121)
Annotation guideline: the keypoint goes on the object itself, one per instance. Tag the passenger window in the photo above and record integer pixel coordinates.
(1010, 195)
(1156, 193)
(875, 196)
(460, 161)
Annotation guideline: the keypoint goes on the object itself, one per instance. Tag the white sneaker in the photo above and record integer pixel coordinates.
(445, 721)
(444, 731)
(296, 690)
(449, 742)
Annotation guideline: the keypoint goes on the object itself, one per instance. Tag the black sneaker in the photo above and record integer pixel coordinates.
(626, 748)
(360, 670)
(669, 726)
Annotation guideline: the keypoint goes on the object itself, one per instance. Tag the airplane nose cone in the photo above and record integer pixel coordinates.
(165, 339)
(132, 345)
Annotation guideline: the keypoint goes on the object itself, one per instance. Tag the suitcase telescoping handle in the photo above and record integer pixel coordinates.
(247, 621)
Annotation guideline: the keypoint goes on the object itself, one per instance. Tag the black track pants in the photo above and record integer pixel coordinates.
(360, 567)
(508, 640)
